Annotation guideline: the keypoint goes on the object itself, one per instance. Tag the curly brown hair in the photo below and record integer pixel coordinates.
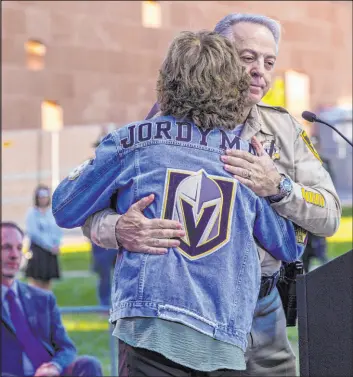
(202, 80)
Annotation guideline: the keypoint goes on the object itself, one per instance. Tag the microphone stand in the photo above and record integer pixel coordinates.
(335, 129)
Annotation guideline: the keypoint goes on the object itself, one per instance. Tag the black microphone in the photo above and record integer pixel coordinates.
(311, 117)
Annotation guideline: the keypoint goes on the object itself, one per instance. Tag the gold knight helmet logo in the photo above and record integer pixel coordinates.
(204, 205)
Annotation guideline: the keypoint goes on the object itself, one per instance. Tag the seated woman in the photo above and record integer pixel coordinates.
(204, 290)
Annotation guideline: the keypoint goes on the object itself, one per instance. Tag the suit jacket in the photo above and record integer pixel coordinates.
(44, 319)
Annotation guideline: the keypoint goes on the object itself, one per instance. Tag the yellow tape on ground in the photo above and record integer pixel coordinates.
(344, 232)
(82, 247)
(76, 248)
(80, 325)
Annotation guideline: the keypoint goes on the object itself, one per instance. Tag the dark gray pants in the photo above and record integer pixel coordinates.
(139, 362)
(269, 352)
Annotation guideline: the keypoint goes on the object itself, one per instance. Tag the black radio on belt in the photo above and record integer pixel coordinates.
(287, 288)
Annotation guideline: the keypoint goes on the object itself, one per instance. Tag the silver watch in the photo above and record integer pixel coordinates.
(285, 187)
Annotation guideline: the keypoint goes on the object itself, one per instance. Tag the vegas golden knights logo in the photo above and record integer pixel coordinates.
(203, 204)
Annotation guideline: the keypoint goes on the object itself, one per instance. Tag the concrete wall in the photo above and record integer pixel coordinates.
(27, 162)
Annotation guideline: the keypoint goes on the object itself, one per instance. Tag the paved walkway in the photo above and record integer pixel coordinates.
(77, 274)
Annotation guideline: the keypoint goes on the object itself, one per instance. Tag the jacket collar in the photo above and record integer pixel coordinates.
(254, 124)
(24, 293)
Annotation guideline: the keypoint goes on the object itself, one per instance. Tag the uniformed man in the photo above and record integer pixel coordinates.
(291, 175)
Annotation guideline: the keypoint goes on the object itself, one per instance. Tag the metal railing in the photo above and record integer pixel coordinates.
(112, 341)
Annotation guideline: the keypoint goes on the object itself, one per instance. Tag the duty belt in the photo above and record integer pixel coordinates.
(268, 283)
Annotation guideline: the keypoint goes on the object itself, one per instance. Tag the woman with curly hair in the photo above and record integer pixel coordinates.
(45, 238)
(202, 80)
(187, 312)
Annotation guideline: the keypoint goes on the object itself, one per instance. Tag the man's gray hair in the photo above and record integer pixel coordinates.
(224, 26)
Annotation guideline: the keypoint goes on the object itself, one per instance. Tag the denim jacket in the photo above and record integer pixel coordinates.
(211, 282)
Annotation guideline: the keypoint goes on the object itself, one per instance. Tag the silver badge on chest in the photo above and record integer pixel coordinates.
(271, 149)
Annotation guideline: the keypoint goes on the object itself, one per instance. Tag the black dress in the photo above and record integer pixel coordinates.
(43, 265)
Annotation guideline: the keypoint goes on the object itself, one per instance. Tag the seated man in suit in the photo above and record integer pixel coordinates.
(33, 339)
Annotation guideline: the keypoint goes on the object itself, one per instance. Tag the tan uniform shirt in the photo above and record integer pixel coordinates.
(313, 204)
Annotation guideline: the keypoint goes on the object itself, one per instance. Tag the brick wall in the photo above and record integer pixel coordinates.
(101, 66)
(101, 63)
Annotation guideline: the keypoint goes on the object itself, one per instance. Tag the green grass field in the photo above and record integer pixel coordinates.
(90, 332)
(347, 212)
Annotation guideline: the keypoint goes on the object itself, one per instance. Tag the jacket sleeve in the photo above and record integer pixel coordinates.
(313, 203)
(276, 234)
(100, 228)
(64, 349)
(89, 187)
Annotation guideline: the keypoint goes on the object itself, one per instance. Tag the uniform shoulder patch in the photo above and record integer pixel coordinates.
(313, 197)
(309, 144)
(78, 170)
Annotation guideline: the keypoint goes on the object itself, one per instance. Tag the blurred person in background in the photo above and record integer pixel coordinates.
(106, 129)
(102, 135)
(103, 261)
(289, 175)
(45, 238)
(316, 247)
(34, 341)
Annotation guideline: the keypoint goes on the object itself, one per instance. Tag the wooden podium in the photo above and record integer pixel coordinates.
(325, 319)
